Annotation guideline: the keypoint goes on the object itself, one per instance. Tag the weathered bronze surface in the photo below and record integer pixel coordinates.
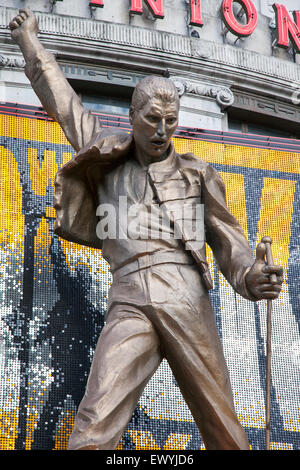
(158, 303)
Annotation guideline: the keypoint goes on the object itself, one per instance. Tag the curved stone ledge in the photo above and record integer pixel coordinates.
(147, 39)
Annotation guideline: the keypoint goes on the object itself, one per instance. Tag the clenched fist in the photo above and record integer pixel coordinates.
(258, 278)
(25, 23)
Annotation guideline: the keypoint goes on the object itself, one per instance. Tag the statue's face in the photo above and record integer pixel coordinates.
(153, 127)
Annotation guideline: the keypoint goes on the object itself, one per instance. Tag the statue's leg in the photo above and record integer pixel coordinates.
(189, 338)
(126, 356)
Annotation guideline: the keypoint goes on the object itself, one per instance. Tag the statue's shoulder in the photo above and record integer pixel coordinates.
(190, 161)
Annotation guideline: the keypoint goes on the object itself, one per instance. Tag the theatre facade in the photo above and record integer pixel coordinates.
(236, 65)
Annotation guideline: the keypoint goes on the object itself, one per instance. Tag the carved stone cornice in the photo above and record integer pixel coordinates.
(222, 94)
(269, 107)
(140, 42)
(12, 61)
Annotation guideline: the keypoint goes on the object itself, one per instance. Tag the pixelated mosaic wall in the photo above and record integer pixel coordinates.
(53, 297)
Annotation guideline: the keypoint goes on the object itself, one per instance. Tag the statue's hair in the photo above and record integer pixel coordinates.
(153, 87)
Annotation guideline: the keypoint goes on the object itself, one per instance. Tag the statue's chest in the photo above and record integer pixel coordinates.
(175, 185)
(148, 186)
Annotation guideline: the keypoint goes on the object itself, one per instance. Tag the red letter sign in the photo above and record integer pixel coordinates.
(287, 29)
(136, 7)
(156, 7)
(196, 16)
(297, 18)
(241, 30)
(96, 3)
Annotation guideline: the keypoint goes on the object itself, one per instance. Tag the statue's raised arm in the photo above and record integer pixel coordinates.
(55, 93)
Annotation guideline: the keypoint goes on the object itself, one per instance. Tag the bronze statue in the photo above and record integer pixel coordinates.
(158, 304)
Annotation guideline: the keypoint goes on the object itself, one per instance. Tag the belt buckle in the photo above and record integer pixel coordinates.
(144, 262)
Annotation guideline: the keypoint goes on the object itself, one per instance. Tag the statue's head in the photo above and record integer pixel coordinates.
(154, 115)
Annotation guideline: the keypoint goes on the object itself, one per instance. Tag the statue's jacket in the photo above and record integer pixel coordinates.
(101, 150)
(184, 178)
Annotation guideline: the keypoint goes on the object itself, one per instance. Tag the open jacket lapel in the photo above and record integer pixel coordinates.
(75, 197)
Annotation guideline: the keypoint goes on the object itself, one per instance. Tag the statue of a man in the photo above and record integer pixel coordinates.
(158, 304)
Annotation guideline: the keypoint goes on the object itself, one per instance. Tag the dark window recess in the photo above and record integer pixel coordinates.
(109, 99)
(117, 106)
(244, 127)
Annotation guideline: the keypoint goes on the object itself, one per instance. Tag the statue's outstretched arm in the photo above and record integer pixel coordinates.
(52, 88)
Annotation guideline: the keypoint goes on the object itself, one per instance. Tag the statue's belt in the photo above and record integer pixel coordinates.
(152, 259)
(156, 258)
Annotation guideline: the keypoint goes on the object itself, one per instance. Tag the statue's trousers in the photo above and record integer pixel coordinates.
(158, 312)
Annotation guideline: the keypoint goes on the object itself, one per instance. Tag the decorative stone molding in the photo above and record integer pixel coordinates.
(12, 61)
(223, 95)
(267, 106)
(141, 41)
(181, 85)
(201, 49)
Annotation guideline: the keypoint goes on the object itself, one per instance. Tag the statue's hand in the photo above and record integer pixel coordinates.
(258, 278)
(25, 23)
